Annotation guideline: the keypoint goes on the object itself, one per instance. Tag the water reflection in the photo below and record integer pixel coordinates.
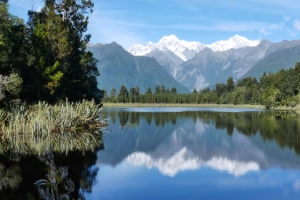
(156, 154)
(20, 168)
(179, 141)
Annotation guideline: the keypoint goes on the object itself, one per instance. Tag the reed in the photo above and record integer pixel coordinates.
(49, 188)
(67, 126)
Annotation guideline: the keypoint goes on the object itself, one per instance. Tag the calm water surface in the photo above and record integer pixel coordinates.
(176, 153)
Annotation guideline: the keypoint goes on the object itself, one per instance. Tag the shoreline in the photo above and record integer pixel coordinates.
(124, 105)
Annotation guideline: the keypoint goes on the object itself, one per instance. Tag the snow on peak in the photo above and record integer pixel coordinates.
(167, 43)
(234, 42)
(181, 47)
(184, 160)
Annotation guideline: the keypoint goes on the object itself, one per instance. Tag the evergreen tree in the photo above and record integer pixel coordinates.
(230, 84)
(113, 95)
(157, 89)
(162, 89)
(58, 58)
(149, 91)
(123, 94)
(174, 90)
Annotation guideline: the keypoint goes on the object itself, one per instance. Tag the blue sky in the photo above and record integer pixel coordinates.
(206, 21)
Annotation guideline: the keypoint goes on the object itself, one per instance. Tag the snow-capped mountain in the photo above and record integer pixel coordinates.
(186, 50)
(183, 49)
(234, 42)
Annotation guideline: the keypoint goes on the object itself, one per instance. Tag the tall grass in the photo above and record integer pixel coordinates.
(61, 127)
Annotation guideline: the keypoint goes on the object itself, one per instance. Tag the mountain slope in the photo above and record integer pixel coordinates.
(167, 59)
(118, 67)
(170, 52)
(283, 59)
(209, 67)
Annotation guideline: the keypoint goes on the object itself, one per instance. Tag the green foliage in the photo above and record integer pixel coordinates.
(10, 87)
(49, 53)
(123, 95)
(57, 58)
(60, 128)
(230, 84)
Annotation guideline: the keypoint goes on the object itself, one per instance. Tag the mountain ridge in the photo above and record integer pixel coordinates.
(185, 50)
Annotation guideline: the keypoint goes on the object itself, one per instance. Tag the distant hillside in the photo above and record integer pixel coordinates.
(209, 67)
(282, 59)
(118, 67)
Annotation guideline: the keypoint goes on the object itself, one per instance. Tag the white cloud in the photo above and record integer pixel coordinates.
(297, 25)
(286, 19)
(264, 32)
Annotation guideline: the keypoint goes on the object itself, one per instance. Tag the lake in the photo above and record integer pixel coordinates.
(175, 153)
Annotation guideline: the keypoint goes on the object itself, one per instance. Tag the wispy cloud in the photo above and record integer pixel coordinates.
(286, 18)
(291, 32)
(297, 25)
(264, 32)
(224, 26)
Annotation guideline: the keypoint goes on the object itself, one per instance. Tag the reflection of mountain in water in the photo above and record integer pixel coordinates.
(185, 160)
(174, 142)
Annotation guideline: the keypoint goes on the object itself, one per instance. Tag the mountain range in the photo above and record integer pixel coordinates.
(191, 65)
(118, 67)
(195, 65)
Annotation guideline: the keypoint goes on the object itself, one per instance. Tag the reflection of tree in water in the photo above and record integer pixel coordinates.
(134, 118)
(80, 167)
(123, 117)
(113, 117)
(283, 127)
(77, 150)
(9, 177)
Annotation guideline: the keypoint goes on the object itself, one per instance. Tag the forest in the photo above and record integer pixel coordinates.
(272, 90)
(45, 59)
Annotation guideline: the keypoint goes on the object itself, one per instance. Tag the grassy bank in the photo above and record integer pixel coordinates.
(63, 127)
(119, 105)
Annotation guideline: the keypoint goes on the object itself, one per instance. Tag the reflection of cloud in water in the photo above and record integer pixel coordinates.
(185, 160)
(297, 185)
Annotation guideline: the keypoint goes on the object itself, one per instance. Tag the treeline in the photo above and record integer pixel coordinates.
(272, 90)
(159, 95)
(45, 59)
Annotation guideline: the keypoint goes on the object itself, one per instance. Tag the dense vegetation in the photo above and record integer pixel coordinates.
(272, 90)
(46, 58)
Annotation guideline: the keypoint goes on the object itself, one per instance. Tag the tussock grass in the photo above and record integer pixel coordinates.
(61, 127)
